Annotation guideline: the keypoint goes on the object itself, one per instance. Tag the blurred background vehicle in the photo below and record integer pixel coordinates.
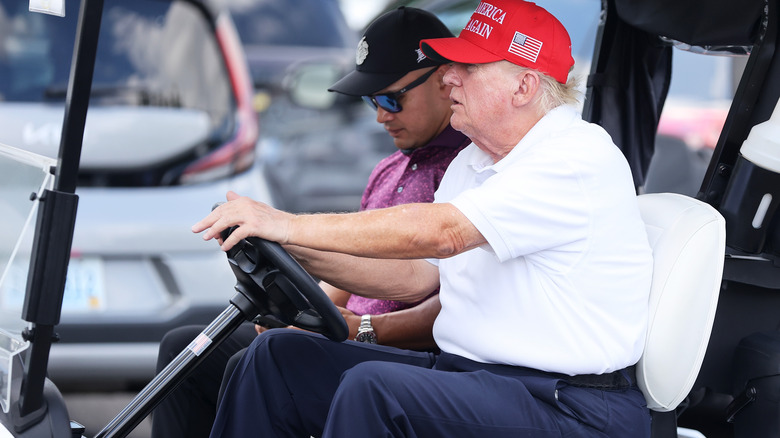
(170, 129)
(317, 148)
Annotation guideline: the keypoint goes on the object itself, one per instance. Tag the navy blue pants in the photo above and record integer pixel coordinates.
(292, 383)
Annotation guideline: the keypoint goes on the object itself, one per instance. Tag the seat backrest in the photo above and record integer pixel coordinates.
(688, 238)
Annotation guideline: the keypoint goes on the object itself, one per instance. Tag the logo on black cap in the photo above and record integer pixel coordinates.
(420, 55)
(362, 51)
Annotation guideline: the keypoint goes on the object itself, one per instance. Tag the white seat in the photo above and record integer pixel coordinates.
(688, 238)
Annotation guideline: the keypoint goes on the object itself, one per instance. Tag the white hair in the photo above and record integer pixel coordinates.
(553, 93)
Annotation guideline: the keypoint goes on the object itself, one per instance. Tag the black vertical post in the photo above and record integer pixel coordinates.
(57, 216)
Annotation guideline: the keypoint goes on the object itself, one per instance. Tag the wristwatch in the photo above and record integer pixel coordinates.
(366, 331)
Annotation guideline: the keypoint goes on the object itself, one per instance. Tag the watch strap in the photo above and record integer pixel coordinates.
(365, 331)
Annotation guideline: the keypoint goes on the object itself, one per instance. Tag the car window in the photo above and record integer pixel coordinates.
(27, 66)
(317, 23)
(150, 53)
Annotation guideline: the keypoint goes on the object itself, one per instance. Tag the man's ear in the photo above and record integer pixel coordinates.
(527, 84)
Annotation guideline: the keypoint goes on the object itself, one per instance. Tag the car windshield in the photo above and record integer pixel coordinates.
(309, 23)
(139, 60)
(158, 64)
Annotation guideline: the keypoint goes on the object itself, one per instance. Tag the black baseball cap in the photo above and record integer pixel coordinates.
(389, 49)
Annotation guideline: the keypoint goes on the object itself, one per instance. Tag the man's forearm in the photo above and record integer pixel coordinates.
(409, 231)
(409, 328)
(400, 280)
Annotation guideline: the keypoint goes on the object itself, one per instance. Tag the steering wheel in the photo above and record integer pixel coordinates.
(273, 287)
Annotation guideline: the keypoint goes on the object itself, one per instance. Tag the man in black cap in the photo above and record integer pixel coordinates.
(407, 91)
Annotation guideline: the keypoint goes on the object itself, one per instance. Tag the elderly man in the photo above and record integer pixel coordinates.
(535, 240)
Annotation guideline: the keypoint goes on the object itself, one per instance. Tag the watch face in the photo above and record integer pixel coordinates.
(368, 337)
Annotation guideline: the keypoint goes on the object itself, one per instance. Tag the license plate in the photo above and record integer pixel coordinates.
(84, 285)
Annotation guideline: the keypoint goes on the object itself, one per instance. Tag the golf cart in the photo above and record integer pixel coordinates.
(736, 383)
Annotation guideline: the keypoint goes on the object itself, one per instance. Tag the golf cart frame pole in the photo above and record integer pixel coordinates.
(57, 217)
(173, 374)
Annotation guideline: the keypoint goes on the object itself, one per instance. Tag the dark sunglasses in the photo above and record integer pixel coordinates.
(389, 101)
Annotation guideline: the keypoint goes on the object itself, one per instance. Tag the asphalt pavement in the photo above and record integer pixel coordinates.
(95, 410)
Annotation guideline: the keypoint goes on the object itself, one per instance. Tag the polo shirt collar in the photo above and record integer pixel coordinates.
(553, 121)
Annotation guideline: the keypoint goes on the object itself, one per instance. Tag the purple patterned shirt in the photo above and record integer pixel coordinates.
(404, 179)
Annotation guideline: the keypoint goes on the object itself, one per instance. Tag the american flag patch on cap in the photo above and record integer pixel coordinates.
(525, 47)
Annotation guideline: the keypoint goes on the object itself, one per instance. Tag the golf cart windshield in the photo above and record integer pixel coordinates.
(22, 175)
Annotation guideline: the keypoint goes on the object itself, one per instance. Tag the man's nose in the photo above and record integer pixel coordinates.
(383, 115)
(451, 76)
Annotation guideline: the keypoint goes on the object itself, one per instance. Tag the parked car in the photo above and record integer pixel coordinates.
(170, 129)
(317, 148)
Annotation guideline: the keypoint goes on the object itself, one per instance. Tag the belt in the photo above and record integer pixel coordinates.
(621, 379)
(616, 380)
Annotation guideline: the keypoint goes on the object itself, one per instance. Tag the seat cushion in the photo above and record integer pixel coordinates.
(688, 238)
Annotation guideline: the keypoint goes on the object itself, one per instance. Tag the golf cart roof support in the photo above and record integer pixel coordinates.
(753, 103)
(631, 72)
(56, 219)
(627, 87)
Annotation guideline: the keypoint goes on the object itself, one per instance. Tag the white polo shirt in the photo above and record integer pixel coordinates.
(563, 283)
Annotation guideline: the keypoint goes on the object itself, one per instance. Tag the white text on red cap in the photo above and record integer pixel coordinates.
(484, 29)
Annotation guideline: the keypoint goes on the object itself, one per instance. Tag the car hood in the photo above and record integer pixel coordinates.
(114, 137)
(129, 221)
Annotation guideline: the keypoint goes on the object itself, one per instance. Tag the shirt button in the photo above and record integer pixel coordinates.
(400, 189)
(414, 166)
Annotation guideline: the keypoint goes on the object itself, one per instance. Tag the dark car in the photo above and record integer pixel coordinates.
(317, 148)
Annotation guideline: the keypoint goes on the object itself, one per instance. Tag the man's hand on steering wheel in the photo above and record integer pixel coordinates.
(257, 219)
(271, 285)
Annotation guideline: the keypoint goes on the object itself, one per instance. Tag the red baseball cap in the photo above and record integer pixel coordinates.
(517, 31)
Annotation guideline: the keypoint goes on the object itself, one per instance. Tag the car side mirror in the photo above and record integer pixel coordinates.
(307, 85)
